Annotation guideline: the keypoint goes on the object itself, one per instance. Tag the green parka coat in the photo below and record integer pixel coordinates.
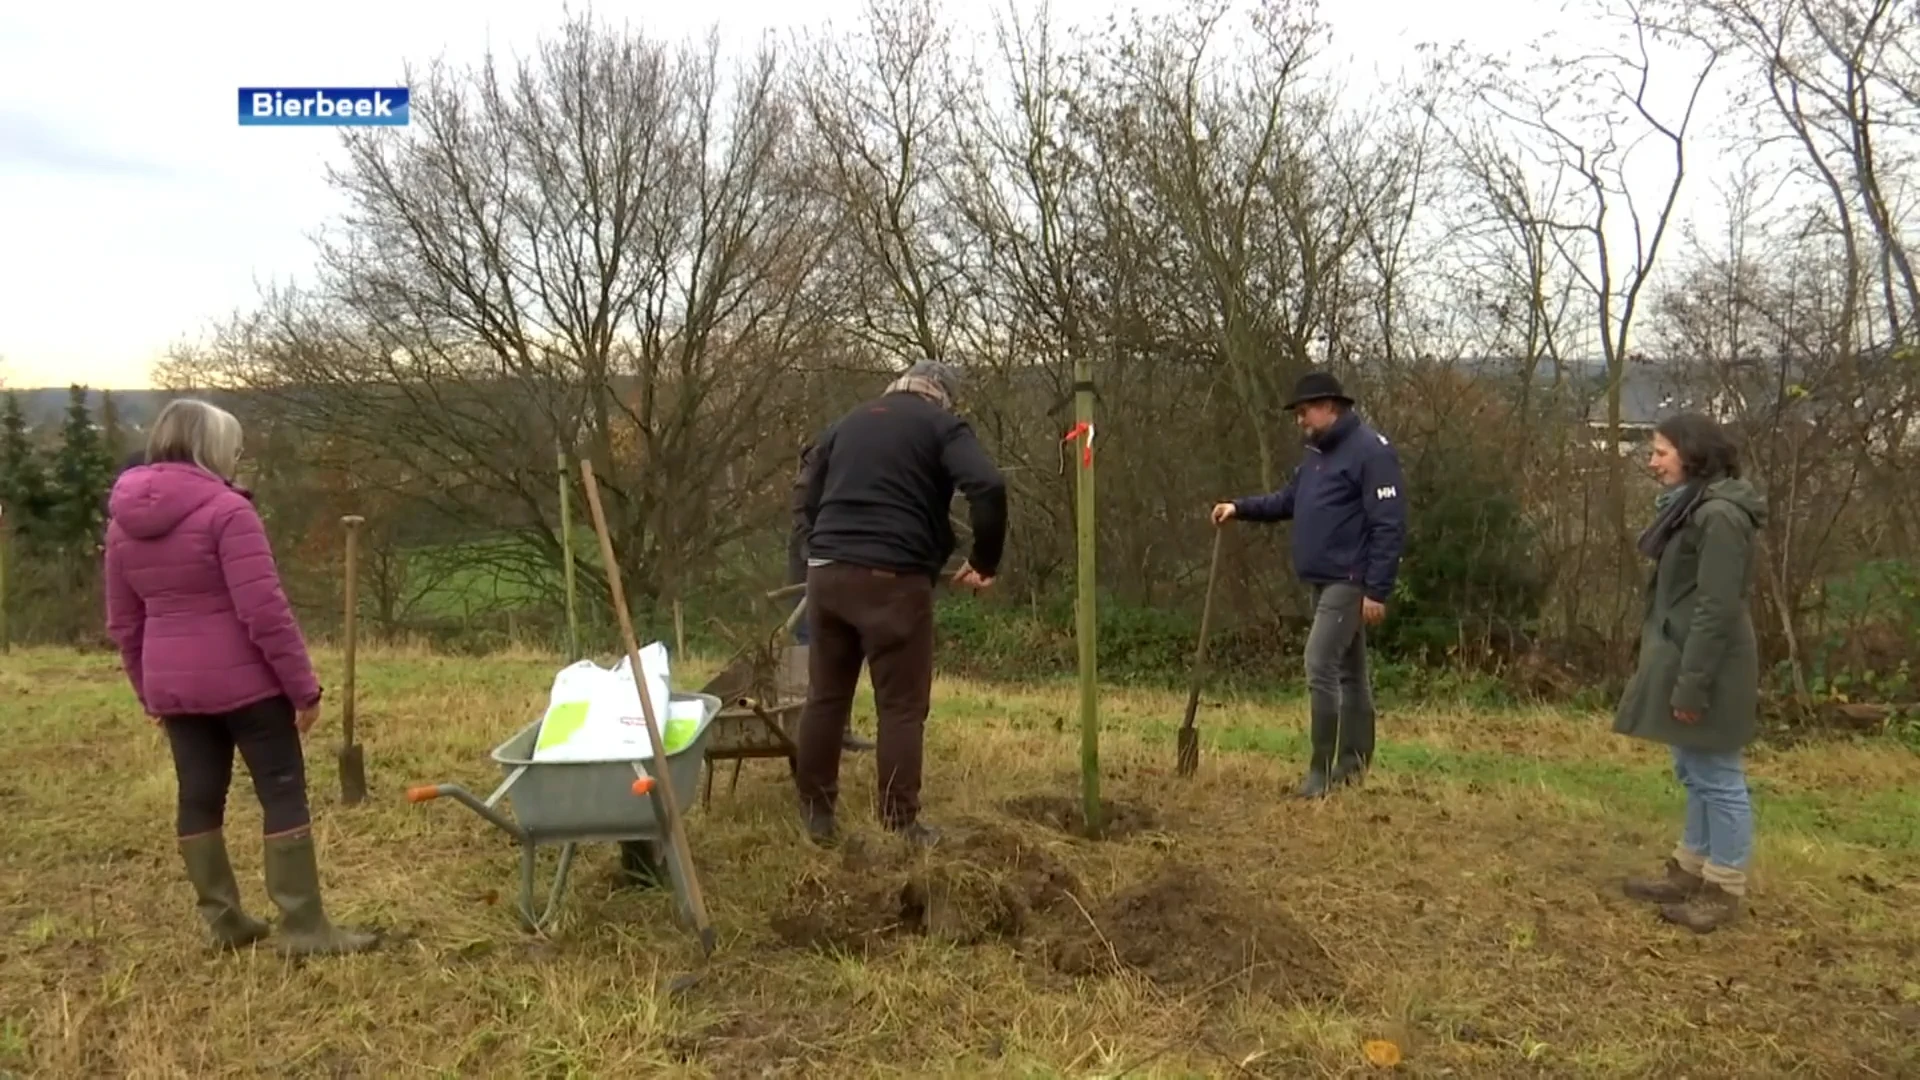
(1698, 652)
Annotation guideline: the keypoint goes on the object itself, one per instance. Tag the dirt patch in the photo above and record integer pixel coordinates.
(981, 883)
(1117, 819)
(839, 910)
(1185, 932)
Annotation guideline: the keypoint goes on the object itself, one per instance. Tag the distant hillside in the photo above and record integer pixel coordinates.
(46, 406)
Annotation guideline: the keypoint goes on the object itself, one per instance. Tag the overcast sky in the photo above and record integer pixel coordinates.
(135, 211)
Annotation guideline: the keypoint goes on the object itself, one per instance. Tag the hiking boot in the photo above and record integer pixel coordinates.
(1676, 886)
(917, 834)
(293, 882)
(217, 893)
(1315, 785)
(854, 744)
(1707, 910)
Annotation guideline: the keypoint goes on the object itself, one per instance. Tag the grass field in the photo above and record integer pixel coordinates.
(1462, 906)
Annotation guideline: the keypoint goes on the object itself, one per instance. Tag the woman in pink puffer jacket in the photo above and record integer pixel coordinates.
(215, 657)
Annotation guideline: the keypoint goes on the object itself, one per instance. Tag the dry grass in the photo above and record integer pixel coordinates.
(1465, 900)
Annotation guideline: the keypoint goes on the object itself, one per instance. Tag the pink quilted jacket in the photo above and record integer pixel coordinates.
(193, 597)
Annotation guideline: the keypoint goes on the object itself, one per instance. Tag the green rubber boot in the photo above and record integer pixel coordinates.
(293, 881)
(217, 894)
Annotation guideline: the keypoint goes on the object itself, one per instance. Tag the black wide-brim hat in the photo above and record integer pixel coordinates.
(1318, 386)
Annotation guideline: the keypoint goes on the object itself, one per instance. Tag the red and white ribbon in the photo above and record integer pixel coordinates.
(1086, 454)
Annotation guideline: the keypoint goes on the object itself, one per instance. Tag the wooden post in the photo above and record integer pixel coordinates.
(353, 767)
(6, 563)
(566, 555)
(679, 631)
(1085, 625)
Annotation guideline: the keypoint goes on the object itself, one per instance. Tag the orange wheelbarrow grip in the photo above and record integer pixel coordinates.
(643, 785)
(423, 793)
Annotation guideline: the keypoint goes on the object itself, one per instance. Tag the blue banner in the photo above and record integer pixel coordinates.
(344, 106)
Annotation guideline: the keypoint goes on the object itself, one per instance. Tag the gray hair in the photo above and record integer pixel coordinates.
(930, 379)
(196, 432)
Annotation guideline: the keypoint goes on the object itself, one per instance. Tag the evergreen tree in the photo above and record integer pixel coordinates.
(82, 476)
(113, 436)
(23, 477)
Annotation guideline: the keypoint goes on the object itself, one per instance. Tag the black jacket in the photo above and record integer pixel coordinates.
(881, 481)
(797, 533)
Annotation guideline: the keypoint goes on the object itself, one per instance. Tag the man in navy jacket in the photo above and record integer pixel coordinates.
(1348, 504)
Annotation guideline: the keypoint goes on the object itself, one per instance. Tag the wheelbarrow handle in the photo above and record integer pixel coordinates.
(429, 792)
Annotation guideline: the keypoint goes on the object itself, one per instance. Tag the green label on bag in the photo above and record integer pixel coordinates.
(678, 734)
(563, 722)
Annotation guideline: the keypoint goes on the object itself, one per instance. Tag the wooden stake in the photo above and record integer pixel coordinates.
(6, 559)
(1086, 626)
(353, 765)
(662, 772)
(679, 631)
(566, 555)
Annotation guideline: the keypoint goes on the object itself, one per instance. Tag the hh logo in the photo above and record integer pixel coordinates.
(1385, 492)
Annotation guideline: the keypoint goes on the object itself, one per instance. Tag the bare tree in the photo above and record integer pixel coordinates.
(1248, 234)
(1835, 76)
(607, 245)
(1021, 193)
(1763, 325)
(881, 110)
(1585, 118)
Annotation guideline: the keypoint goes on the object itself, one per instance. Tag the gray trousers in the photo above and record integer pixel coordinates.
(1337, 686)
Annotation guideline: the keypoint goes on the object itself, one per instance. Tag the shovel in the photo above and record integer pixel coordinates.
(353, 766)
(1187, 758)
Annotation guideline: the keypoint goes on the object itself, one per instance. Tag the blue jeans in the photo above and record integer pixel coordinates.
(1719, 812)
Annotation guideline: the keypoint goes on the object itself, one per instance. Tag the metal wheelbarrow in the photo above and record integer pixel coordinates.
(574, 802)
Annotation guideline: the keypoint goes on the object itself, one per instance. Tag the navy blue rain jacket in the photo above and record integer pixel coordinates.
(1348, 504)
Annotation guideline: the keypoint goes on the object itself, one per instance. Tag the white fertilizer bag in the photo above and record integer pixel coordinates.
(593, 714)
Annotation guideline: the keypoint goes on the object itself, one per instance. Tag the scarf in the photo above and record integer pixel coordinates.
(1671, 509)
(925, 387)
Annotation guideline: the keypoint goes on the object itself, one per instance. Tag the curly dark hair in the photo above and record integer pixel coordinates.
(1706, 451)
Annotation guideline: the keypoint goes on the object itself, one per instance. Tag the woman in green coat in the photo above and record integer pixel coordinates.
(1697, 685)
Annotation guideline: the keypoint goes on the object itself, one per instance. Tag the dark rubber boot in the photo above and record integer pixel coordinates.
(1352, 770)
(917, 834)
(217, 893)
(819, 825)
(1315, 785)
(293, 881)
(639, 866)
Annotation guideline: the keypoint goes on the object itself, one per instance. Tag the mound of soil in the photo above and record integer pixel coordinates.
(1117, 819)
(840, 910)
(981, 883)
(1184, 932)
